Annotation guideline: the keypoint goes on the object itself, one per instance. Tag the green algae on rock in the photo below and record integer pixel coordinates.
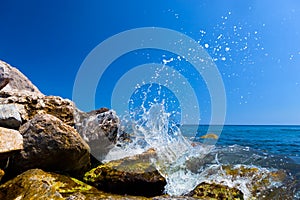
(39, 185)
(216, 191)
(134, 175)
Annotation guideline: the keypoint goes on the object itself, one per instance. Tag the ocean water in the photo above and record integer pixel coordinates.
(282, 140)
(186, 160)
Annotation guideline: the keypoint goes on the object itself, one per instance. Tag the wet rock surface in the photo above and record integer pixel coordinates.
(134, 175)
(51, 145)
(99, 129)
(216, 191)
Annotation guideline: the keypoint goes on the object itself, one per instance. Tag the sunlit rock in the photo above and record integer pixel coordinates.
(51, 145)
(10, 142)
(10, 116)
(29, 104)
(12, 79)
(134, 175)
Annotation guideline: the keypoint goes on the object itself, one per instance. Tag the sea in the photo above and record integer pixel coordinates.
(281, 140)
(189, 155)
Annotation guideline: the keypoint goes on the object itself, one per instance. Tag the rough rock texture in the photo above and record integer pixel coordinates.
(51, 145)
(29, 104)
(12, 79)
(39, 185)
(216, 191)
(99, 129)
(134, 175)
(10, 141)
(10, 116)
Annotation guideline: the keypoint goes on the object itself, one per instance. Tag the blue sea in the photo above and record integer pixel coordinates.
(277, 140)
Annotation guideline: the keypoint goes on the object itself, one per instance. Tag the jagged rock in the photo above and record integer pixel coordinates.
(10, 142)
(51, 145)
(39, 185)
(134, 175)
(12, 79)
(29, 104)
(10, 116)
(99, 129)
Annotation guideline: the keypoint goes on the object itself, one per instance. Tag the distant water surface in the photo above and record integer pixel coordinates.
(278, 140)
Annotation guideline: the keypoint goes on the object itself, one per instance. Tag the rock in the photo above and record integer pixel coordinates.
(216, 191)
(51, 145)
(1, 174)
(29, 104)
(39, 185)
(12, 79)
(3, 82)
(134, 175)
(99, 129)
(10, 116)
(10, 142)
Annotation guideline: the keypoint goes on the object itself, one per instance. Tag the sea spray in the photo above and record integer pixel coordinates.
(154, 129)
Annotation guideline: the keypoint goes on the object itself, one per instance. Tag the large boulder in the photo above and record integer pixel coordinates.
(99, 129)
(10, 116)
(12, 79)
(51, 145)
(11, 141)
(134, 175)
(39, 185)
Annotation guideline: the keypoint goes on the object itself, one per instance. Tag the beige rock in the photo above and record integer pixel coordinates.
(10, 141)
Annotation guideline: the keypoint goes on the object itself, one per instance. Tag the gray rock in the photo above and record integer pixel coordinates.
(29, 104)
(12, 79)
(11, 141)
(51, 145)
(99, 129)
(9, 116)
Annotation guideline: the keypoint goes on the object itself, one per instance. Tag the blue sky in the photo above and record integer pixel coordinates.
(255, 45)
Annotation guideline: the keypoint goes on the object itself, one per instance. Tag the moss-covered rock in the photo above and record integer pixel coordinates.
(39, 185)
(216, 191)
(134, 175)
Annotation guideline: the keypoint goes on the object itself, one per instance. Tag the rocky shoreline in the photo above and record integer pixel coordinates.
(45, 152)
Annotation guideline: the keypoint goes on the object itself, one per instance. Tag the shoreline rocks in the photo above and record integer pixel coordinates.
(135, 175)
(39, 132)
(51, 145)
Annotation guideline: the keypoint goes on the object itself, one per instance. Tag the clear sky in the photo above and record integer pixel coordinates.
(255, 45)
